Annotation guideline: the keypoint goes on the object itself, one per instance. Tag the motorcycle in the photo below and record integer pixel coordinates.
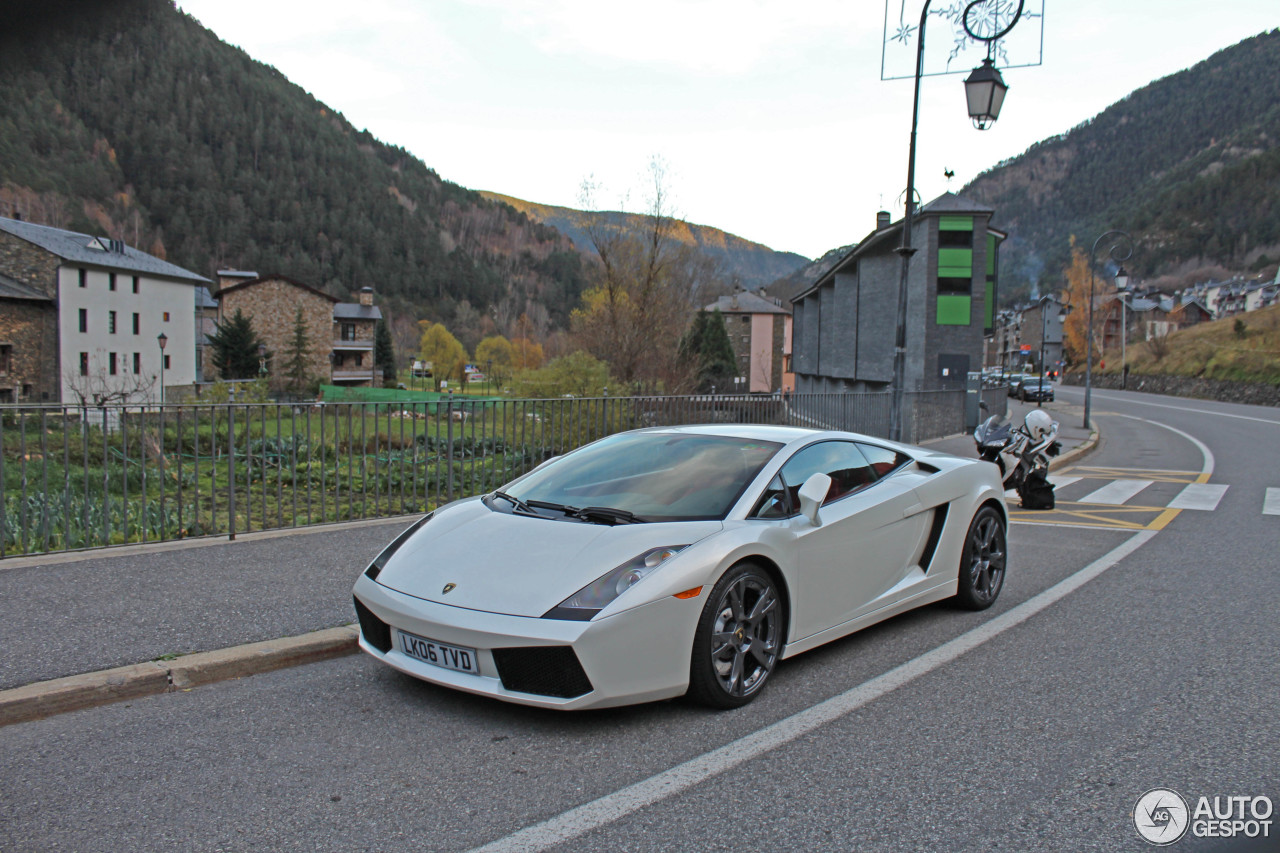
(1022, 454)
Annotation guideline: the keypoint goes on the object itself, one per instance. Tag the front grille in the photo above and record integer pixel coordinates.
(376, 632)
(544, 670)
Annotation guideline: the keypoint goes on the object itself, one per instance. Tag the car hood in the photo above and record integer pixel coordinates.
(503, 563)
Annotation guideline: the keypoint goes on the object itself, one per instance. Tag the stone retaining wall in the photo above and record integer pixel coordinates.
(1254, 393)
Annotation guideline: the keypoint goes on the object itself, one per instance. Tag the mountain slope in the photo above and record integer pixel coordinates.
(742, 262)
(130, 118)
(1189, 165)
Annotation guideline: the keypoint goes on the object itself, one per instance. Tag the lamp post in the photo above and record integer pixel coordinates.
(162, 339)
(1122, 286)
(1115, 253)
(984, 91)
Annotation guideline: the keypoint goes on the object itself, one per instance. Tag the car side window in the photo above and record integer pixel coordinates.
(848, 469)
(775, 502)
(882, 459)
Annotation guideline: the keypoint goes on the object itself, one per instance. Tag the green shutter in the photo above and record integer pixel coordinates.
(954, 310)
(955, 263)
(990, 322)
(955, 223)
(991, 254)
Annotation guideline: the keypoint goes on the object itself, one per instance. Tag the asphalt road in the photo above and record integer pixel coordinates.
(1040, 733)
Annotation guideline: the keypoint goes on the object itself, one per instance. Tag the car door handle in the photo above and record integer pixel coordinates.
(912, 510)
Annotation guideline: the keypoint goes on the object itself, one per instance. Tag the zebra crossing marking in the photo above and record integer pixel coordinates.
(1116, 492)
(1199, 496)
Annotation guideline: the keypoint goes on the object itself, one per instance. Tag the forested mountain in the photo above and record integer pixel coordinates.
(129, 118)
(741, 262)
(1188, 165)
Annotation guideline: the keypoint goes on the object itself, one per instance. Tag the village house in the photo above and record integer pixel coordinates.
(87, 319)
(759, 328)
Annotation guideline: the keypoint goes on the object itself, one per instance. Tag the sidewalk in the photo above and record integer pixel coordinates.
(88, 628)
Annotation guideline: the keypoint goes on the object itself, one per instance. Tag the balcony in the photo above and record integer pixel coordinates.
(362, 345)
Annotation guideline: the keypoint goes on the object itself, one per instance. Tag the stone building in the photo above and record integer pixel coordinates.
(759, 328)
(81, 317)
(339, 334)
(844, 325)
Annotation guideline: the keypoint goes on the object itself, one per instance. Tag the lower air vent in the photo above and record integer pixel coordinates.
(543, 670)
(376, 632)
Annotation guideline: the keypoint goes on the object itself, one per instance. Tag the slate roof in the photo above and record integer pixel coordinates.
(746, 302)
(273, 277)
(205, 300)
(12, 289)
(73, 246)
(356, 311)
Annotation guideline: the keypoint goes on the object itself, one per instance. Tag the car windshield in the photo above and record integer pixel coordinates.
(654, 476)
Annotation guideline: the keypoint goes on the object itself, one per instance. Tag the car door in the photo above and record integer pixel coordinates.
(871, 527)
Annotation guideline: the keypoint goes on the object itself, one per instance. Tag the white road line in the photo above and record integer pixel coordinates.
(1271, 504)
(1178, 408)
(605, 810)
(1115, 492)
(1060, 481)
(1204, 496)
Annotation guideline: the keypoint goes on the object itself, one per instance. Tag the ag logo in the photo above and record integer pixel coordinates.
(448, 588)
(1161, 816)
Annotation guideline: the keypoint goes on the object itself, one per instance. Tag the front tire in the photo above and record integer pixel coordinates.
(983, 560)
(739, 636)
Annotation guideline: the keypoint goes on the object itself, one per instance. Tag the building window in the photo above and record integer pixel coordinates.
(137, 363)
(135, 284)
(84, 319)
(359, 359)
(84, 364)
(6, 359)
(166, 363)
(111, 363)
(166, 316)
(84, 278)
(111, 281)
(111, 322)
(137, 324)
(348, 331)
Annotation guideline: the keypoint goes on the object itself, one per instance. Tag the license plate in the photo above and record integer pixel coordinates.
(439, 654)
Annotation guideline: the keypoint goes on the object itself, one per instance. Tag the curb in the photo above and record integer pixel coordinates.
(77, 692)
(1076, 452)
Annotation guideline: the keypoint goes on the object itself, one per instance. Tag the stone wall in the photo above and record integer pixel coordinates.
(29, 264)
(272, 305)
(1254, 393)
(30, 329)
(28, 326)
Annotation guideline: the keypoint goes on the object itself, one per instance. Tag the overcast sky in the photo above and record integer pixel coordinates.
(770, 114)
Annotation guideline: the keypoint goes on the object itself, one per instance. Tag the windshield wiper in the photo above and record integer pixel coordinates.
(564, 508)
(607, 514)
(514, 501)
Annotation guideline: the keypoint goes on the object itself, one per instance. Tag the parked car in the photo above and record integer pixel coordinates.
(1034, 390)
(1015, 382)
(681, 559)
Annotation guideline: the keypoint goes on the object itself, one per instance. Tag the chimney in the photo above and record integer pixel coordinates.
(226, 278)
(882, 220)
(366, 296)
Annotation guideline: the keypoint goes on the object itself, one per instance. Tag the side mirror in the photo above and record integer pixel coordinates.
(812, 494)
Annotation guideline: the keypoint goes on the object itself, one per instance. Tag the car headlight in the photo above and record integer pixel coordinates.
(597, 595)
(380, 562)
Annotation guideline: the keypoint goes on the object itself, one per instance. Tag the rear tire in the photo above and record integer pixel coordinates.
(983, 560)
(738, 639)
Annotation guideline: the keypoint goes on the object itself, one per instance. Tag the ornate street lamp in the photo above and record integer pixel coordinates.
(1121, 250)
(162, 339)
(985, 91)
(1122, 286)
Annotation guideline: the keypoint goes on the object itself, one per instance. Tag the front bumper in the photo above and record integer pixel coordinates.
(639, 655)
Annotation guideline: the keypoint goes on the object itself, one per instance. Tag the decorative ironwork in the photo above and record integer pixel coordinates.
(984, 25)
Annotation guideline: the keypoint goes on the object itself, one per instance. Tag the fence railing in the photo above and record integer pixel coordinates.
(86, 477)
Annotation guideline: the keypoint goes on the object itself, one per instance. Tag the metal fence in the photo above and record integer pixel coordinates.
(87, 477)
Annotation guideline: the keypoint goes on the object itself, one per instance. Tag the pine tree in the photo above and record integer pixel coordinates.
(296, 363)
(384, 352)
(707, 345)
(235, 347)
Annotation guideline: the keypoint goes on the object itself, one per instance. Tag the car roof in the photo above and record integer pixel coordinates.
(755, 432)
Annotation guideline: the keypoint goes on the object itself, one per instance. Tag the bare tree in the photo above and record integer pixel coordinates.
(98, 388)
(637, 308)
